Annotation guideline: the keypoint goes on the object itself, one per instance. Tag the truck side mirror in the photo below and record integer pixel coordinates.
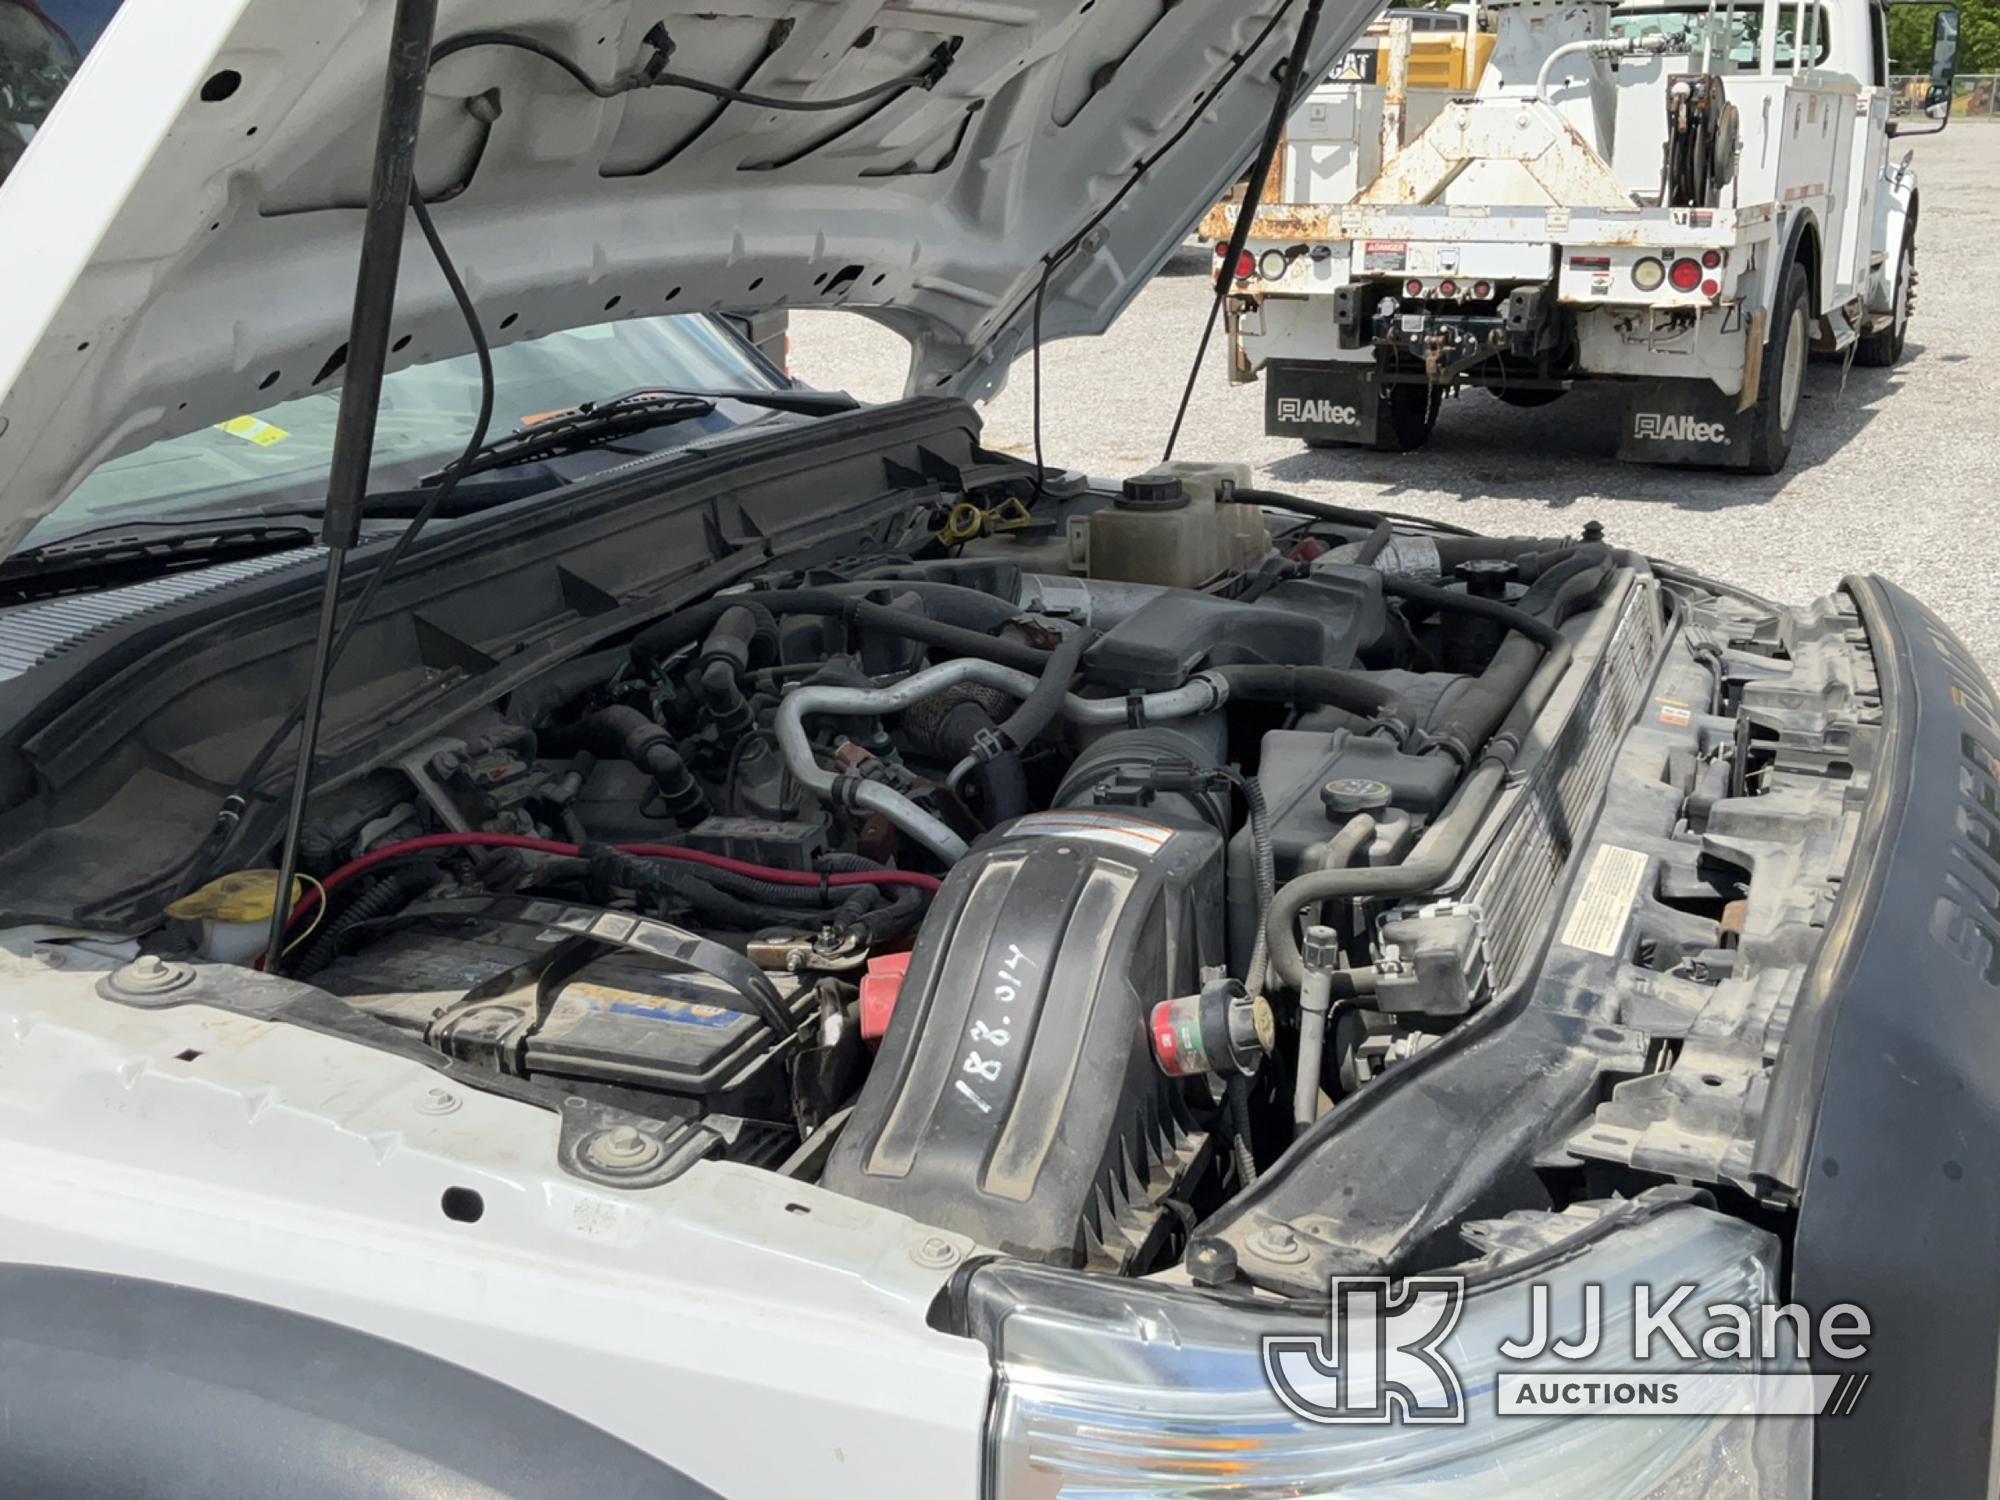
(1944, 62)
(1910, 51)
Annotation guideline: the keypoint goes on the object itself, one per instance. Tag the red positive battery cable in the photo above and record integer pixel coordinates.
(369, 861)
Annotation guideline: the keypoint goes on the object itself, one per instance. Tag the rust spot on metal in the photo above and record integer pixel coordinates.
(1753, 364)
(1276, 221)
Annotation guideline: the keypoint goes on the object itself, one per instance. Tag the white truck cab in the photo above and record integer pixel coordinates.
(1683, 196)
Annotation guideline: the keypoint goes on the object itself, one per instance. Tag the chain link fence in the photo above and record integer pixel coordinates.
(1975, 96)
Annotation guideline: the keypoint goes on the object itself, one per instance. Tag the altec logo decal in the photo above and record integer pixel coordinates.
(1327, 413)
(1661, 427)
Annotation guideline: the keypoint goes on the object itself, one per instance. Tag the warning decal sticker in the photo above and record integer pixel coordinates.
(1598, 920)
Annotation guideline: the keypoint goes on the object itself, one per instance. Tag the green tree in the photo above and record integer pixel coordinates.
(1978, 37)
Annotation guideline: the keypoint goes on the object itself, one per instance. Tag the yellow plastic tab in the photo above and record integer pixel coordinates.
(254, 430)
(244, 896)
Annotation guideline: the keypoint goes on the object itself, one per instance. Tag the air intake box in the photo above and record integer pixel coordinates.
(1015, 1098)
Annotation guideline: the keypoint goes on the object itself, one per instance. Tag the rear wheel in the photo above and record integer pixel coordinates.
(1884, 347)
(1775, 418)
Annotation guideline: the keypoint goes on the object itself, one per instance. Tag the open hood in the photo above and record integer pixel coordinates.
(194, 203)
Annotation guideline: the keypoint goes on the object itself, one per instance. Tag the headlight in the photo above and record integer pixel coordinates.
(1118, 1388)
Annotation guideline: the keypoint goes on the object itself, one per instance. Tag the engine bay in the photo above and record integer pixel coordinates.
(1051, 879)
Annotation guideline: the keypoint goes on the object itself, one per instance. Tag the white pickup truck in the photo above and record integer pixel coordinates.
(1684, 197)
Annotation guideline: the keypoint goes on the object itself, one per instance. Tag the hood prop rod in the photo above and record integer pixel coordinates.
(411, 33)
(1289, 94)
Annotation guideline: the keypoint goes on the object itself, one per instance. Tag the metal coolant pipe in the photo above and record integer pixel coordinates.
(1321, 957)
(1200, 694)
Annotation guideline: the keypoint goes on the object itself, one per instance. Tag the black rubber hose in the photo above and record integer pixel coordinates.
(1568, 583)
(612, 868)
(1453, 550)
(1003, 781)
(1443, 843)
(727, 706)
(889, 919)
(953, 603)
(391, 893)
(1039, 709)
(1237, 1094)
(1452, 601)
(693, 623)
(1471, 717)
(1466, 719)
(1317, 510)
(1341, 515)
(733, 639)
(620, 730)
(1309, 687)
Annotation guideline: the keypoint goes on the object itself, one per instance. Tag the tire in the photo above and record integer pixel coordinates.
(1526, 400)
(1884, 347)
(1407, 415)
(1774, 420)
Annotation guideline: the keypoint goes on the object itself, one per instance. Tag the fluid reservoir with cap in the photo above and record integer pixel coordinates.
(1470, 640)
(1175, 525)
(1314, 783)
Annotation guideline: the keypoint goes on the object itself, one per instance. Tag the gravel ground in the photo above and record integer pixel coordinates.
(1899, 474)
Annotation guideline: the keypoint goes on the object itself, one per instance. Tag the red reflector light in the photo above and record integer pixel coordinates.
(1711, 258)
(1447, 289)
(1590, 262)
(1221, 249)
(1413, 288)
(1685, 274)
(1711, 288)
(1246, 266)
(1482, 289)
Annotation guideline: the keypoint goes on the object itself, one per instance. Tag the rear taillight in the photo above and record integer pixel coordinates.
(1482, 290)
(1685, 274)
(1246, 266)
(1413, 288)
(1447, 289)
(1711, 258)
(1711, 289)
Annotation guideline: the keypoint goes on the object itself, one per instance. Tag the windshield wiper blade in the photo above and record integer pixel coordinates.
(587, 426)
(132, 551)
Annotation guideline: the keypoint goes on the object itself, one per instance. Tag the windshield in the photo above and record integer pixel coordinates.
(1736, 36)
(281, 454)
(42, 43)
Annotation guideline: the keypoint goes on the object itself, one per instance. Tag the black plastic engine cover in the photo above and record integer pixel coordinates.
(1015, 1098)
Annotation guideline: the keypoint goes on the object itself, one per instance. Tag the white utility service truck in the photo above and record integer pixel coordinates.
(1685, 197)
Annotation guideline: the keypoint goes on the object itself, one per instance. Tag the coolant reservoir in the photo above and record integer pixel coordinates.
(1170, 525)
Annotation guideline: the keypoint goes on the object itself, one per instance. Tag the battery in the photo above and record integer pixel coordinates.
(474, 974)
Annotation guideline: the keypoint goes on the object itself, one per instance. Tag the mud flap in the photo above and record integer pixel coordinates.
(1684, 422)
(1318, 402)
